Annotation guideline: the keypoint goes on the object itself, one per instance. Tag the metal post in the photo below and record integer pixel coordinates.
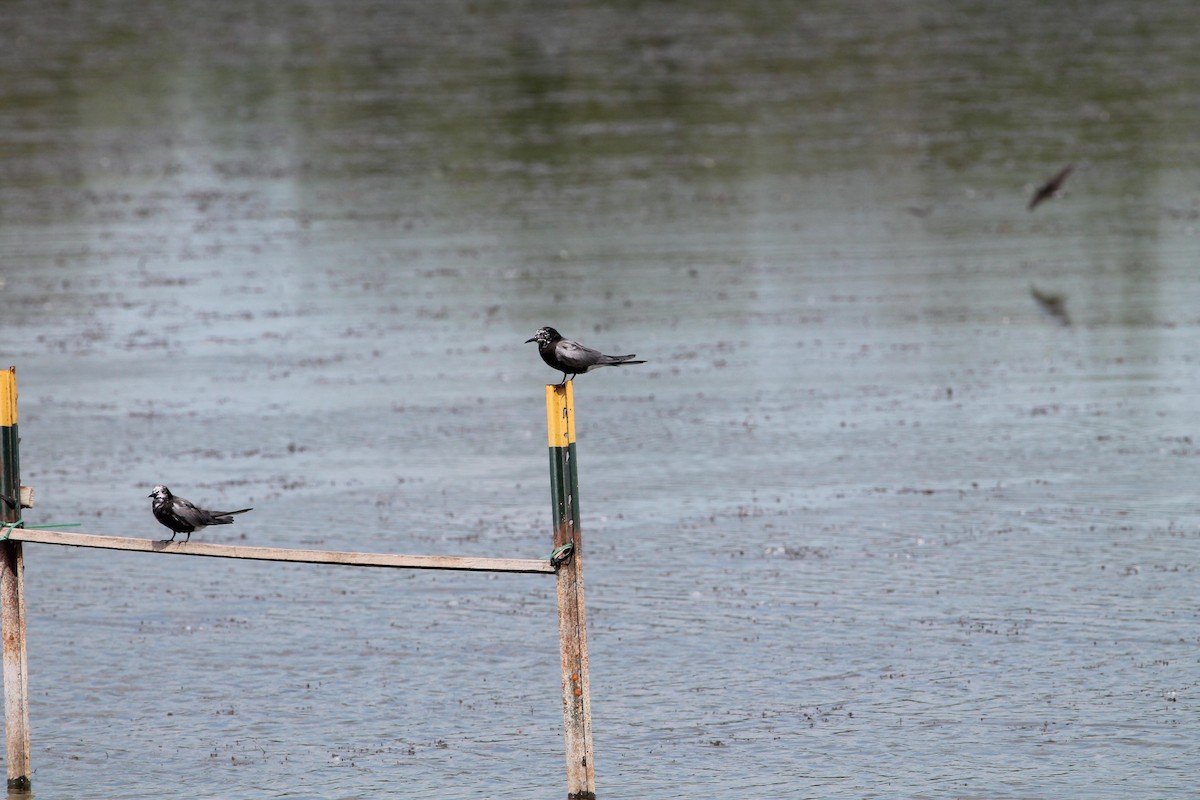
(12, 593)
(572, 621)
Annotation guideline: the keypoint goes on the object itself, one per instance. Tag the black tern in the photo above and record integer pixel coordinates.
(572, 358)
(1050, 188)
(182, 516)
(1052, 303)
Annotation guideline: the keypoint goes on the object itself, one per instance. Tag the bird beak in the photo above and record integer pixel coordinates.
(150, 495)
(534, 339)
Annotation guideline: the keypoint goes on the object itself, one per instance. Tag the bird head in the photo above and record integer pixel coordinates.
(160, 493)
(544, 336)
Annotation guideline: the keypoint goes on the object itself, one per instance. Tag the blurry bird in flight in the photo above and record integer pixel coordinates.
(1051, 187)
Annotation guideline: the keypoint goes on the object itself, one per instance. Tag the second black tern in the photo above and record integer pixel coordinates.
(572, 358)
(1050, 188)
(183, 516)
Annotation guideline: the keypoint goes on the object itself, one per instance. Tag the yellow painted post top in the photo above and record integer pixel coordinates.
(560, 414)
(8, 398)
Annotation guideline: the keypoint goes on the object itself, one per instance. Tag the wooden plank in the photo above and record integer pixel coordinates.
(393, 560)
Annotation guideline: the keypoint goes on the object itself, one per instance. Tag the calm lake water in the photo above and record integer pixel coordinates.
(873, 521)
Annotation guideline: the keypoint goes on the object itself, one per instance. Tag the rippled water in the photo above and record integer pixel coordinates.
(871, 523)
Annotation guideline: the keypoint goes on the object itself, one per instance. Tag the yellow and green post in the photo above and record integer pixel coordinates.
(10, 477)
(12, 592)
(572, 619)
(564, 479)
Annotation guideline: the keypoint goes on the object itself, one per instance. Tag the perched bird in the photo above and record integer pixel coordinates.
(181, 516)
(1050, 188)
(570, 357)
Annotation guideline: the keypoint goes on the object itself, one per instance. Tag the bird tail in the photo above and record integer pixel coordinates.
(617, 361)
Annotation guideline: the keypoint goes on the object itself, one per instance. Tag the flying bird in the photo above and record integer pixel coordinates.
(572, 358)
(183, 516)
(1053, 303)
(1050, 188)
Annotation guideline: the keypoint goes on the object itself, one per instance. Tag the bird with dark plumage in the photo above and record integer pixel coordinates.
(1050, 188)
(182, 516)
(572, 358)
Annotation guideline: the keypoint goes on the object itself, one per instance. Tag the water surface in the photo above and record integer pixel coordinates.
(871, 522)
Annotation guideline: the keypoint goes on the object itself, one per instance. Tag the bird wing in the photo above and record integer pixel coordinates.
(225, 517)
(620, 359)
(187, 512)
(575, 356)
(166, 515)
(1062, 174)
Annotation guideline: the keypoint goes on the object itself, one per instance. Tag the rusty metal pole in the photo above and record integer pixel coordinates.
(572, 620)
(12, 594)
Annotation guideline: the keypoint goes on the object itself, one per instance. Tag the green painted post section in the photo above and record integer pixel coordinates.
(12, 594)
(572, 617)
(564, 490)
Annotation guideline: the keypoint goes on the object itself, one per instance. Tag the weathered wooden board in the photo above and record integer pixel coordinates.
(394, 560)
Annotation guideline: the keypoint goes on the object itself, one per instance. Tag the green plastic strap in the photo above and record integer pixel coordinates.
(561, 554)
(8, 528)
